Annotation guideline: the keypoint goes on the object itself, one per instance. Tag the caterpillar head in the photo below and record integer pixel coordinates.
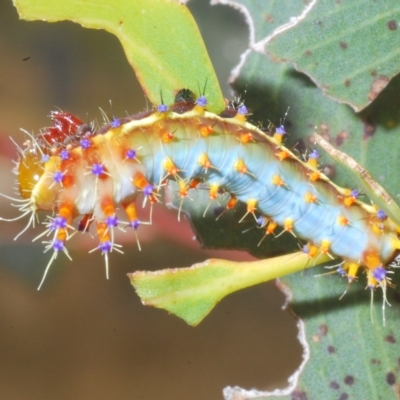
(35, 178)
(29, 171)
(36, 161)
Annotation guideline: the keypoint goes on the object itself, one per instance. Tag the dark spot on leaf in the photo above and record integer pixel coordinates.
(392, 25)
(377, 86)
(307, 53)
(324, 132)
(299, 395)
(334, 385)
(341, 138)
(269, 18)
(369, 129)
(347, 83)
(390, 339)
(375, 361)
(343, 45)
(26, 58)
(121, 22)
(343, 396)
(320, 23)
(390, 378)
(374, 73)
(331, 350)
(349, 380)
(329, 170)
(323, 329)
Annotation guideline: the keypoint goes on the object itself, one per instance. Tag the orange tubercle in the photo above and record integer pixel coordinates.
(352, 269)
(131, 211)
(325, 246)
(241, 167)
(271, 226)
(246, 137)
(288, 225)
(62, 234)
(240, 117)
(314, 176)
(140, 181)
(372, 260)
(277, 180)
(283, 154)
(214, 189)
(313, 162)
(312, 250)
(251, 206)
(232, 202)
(194, 183)
(205, 130)
(349, 201)
(183, 188)
(342, 220)
(204, 161)
(107, 207)
(170, 167)
(65, 211)
(103, 232)
(167, 137)
(310, 198)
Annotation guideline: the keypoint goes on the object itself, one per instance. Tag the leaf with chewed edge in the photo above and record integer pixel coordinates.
(349, 49)
(160, 38)
(368, 137)
(345, 354)
(191, 293)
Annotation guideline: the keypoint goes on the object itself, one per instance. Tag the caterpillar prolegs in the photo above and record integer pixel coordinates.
(73, 170)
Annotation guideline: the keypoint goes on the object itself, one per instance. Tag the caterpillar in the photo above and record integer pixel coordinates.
(74, 170)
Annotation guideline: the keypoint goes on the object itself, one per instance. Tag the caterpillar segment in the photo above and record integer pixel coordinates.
(73, 171)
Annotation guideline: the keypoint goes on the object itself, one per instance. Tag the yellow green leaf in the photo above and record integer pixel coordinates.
(160, 38)
(191, 293)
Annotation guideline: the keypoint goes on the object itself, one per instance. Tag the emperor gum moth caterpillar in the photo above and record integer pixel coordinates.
(73, 170)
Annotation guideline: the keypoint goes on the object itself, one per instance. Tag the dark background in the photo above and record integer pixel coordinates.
(81, 336)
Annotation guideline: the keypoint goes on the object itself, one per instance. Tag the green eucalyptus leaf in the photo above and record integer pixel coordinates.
(350, 351)
(348, 356)
(160, 38)
(349, 49)
(191, 293)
